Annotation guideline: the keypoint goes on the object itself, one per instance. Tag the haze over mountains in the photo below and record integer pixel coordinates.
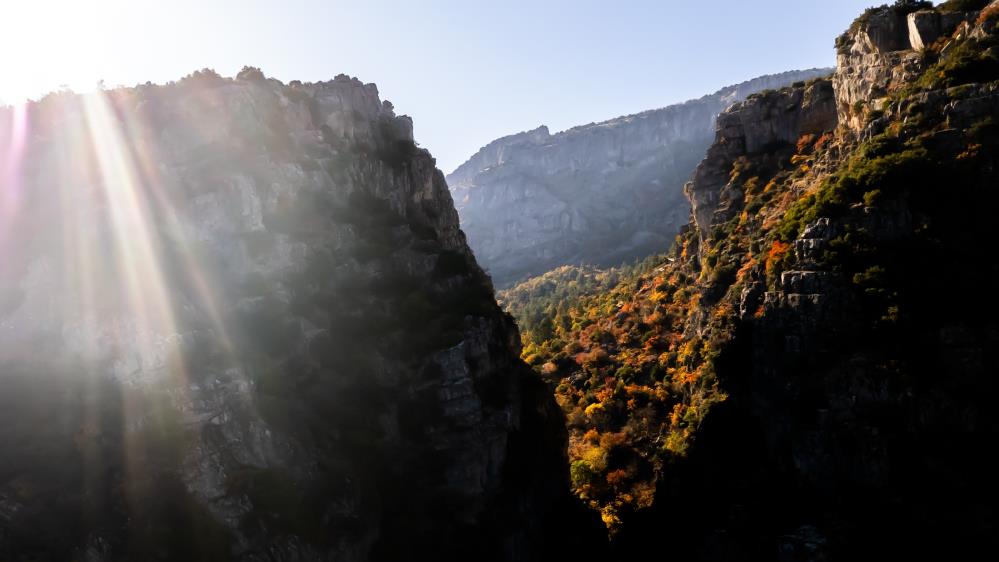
(599, 194)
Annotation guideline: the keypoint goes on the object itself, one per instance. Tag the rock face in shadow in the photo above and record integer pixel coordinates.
(601, 194)
(853, 345)
(241, 322)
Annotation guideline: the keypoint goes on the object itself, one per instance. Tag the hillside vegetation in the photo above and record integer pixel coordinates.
(829, 304)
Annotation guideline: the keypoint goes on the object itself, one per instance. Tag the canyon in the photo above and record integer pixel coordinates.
(242, 321)
(805, 374)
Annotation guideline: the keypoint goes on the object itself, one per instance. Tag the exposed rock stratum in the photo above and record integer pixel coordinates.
(599, 194)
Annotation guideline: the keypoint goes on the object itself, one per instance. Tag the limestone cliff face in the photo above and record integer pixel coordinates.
(820, 267)
(749, 128)
(601, 193)
(882, 51)
(240, 321)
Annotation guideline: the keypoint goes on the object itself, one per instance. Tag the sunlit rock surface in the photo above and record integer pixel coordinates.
(601, 193)
(746, 128)
(239, 320)
(882, 52)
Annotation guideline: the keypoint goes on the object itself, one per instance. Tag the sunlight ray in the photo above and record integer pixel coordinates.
(135, 245)
(10, 165)
(145, 155)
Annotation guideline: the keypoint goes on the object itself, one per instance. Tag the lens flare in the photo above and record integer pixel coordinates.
(101, 263)
(12, 141)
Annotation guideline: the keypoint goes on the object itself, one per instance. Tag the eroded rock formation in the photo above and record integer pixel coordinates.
(765, 121)
(883, 51)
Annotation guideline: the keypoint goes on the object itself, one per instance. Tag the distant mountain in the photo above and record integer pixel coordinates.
(601, 193)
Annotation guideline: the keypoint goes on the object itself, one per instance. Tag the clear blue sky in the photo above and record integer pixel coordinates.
(468, 71)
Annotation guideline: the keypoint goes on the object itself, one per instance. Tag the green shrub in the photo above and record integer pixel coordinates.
(971, 61)
(581, 474)
(625, 373)
(873, 169)
(397, 153)
(872, 198)
(754, 206)
(900, 7)
(450, 264)
(251, 74)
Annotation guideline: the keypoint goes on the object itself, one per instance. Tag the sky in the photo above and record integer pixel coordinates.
(467, 71)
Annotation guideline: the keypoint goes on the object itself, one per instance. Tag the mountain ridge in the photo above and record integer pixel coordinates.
(733, 92)
(601, 193)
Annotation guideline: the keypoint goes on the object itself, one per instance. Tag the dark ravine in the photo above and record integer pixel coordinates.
(599, 194)
(241, 322)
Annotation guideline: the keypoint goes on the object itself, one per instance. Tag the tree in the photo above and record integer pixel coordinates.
(545, 330)
(251, 74)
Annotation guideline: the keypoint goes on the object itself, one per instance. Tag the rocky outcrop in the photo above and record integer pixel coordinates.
(240, 321)
(873, 59)
(926, 26)
(766, 122)
(601, 193)
(881, 52)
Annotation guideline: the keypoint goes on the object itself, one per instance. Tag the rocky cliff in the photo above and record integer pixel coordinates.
(808, 374)
(600, 194)
(767, 120)
(240, 322)
(886, 49)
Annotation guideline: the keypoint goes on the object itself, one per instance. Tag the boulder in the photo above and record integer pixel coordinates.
(924, 28)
